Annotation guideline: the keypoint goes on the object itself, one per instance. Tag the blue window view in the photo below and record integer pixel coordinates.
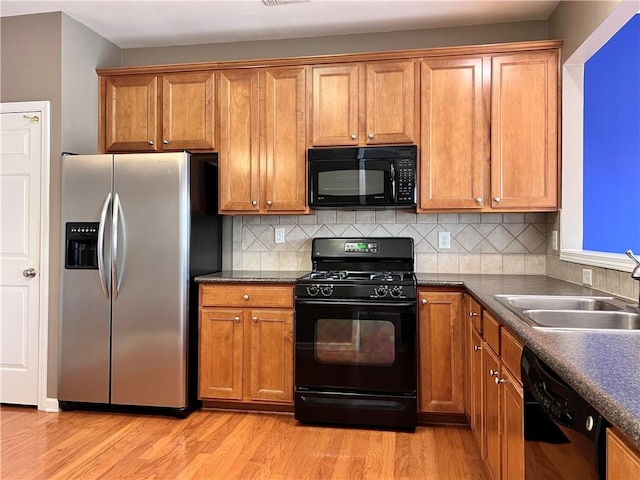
(611, 162)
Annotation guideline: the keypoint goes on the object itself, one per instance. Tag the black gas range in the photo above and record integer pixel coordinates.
(356, 360)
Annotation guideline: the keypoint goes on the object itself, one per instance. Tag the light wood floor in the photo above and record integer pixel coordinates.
(223, 445)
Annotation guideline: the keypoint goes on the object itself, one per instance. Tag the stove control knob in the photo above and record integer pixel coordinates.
(396, 291)
(380, 291)
(327, 290)
(313, 290)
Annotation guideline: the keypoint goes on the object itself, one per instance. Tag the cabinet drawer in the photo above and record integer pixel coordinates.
(491, 331)
(511, 353)
(246, 295)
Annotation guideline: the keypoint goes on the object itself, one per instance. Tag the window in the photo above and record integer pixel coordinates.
(601, 145)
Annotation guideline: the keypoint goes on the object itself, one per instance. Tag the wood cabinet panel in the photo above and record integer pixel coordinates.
(491, 331)
(524, 130)
(239, 159)
(477, 391)
(246, 295)
(221, 353)
(131, 113)
(623, 459)
(491, 411)
(285, 150)
(390, 109)
(512, 427)
(510, 353)
(188, 111)
(440, 338)
(454, 133)
(272, 355)
(335, 107)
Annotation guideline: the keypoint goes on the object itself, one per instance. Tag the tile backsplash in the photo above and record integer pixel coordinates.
(510, 243)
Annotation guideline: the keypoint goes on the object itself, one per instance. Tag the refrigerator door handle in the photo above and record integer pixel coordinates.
(114, 246)
(103, 221)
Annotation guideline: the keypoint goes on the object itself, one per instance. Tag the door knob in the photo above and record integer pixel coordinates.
(29, 273)
(353, 136)
(370, 135)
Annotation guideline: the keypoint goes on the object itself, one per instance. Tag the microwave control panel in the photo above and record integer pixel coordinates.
(406, 180)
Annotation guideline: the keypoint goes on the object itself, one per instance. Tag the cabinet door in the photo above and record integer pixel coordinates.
(188, 111)
(239, 160)
(491, 410)
(390, 102)
(455, 134)
(512, 428)
(524, 131)
(623, 459)
(477, 391)
(131, 113)
(284, 129)
(470, 310)
(335, 105)
(272, 355)
(440, 330)
(221, 353)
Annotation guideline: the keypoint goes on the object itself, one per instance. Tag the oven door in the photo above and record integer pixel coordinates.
(351, 346)
(351, 182)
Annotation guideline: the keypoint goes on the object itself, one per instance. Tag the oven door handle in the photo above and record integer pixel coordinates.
(364, 303)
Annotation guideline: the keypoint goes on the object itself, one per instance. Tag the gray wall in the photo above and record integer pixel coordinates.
(371, 42)
(52, 57)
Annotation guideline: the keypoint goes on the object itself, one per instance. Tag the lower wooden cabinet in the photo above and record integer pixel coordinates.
(512, 427)
(623, 459)
(491, 411)
(441, 378)
(246, 354)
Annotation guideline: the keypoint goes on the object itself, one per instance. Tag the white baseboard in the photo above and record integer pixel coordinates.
(51, 405)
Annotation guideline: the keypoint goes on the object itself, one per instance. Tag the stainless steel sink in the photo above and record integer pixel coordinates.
(571, 312)
(592, 319)
(557, 302)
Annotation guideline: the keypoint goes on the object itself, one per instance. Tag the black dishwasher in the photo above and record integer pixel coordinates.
(564, 435)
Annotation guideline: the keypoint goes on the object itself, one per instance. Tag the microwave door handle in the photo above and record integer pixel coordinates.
(362, 181)
(392, 174)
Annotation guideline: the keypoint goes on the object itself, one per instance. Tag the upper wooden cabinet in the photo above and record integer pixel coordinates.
(524, 131)
(153, 113)
(364, 104)
(262, 141)
(489, 136)
(455, 133)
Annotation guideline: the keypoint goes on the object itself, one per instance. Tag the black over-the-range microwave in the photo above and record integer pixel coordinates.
(362, 177)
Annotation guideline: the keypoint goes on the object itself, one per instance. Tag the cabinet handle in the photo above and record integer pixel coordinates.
(353, 136)
(493, 373)
(424, 301)
(478, 200)
(269, 202)
(150, 142)
(245, 296)
(254, 202)
(473, 314)
(370, 135)
(166, 142)
(255, 319)
(477, 348)
(498, 381)
(236, 319)
(497, 199)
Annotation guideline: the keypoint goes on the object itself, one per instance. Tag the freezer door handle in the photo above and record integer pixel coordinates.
(114, 246)
(103, 221)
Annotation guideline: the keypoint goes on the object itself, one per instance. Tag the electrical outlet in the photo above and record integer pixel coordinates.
(587, 277)
(554, 240)
(279, 235)
(444, 239)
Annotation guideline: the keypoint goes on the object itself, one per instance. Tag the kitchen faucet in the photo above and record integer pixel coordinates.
(635, 274)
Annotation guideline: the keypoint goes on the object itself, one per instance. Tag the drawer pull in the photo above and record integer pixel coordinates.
(424, 301)
(473, 314)
(245, 296)
(493, 373)
(499, 380)
(477, 348)
(236, 319)
(255, 319)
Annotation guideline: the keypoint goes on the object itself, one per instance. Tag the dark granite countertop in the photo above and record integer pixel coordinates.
(250, 276)
(603, 366)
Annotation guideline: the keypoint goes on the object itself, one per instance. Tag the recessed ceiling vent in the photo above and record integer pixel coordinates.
(273, 3)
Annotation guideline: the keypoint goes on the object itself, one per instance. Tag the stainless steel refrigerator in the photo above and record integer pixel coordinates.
(136, 229)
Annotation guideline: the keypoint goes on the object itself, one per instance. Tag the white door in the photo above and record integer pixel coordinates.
(20, 187)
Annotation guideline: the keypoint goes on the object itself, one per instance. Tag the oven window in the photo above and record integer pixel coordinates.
(346, 183)
(359, 342)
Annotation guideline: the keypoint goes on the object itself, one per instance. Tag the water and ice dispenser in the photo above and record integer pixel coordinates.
(81, 251)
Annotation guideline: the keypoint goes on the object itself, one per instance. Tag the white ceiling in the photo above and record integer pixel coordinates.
(151, 23)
